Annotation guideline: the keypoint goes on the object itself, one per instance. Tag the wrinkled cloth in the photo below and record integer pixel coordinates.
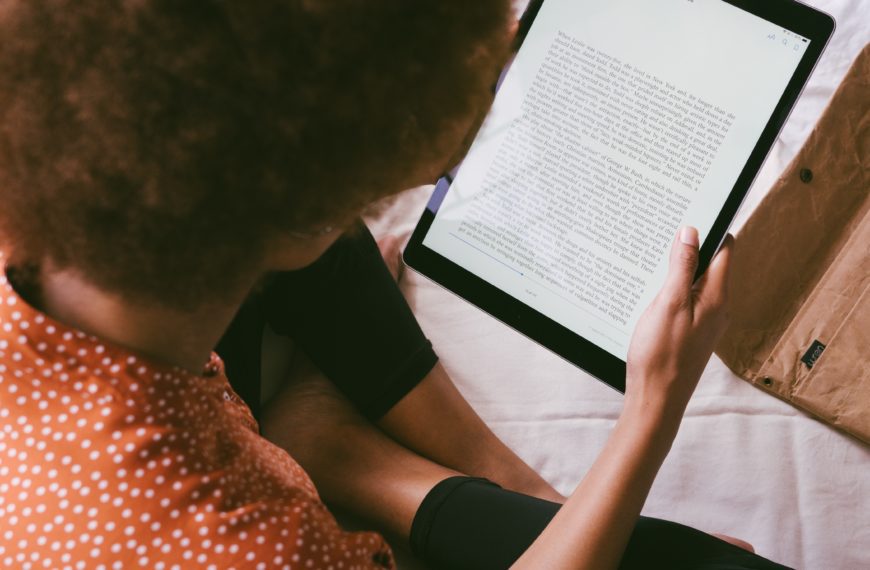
(804, 336)
(112, 461)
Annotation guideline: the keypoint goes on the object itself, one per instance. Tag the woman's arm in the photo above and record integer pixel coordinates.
(670, 348)
(346, 313)
(437, 422)
(354, 465)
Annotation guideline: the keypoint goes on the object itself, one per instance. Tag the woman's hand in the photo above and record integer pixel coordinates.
(676, 335)
(671, 345)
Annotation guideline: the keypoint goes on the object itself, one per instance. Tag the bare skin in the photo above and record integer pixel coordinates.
(69, 297)
(669, 350)
(354, 465)
(417, 423)
(464, 442)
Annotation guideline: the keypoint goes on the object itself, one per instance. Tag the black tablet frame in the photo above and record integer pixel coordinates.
(789, 14)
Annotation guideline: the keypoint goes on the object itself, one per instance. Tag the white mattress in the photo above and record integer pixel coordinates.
(744, 463)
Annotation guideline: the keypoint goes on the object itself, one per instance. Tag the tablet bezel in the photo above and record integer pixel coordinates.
(789, 14)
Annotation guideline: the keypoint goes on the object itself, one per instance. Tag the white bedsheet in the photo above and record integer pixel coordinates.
(744, 463)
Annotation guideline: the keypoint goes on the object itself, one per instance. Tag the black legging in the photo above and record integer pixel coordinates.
(346, 312)
(466, 523)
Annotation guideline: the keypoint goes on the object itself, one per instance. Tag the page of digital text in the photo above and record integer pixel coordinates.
(617, 123)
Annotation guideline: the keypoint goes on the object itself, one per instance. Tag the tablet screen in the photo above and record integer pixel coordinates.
(617, 123)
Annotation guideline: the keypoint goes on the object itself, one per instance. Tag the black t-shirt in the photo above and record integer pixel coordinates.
(346, 312)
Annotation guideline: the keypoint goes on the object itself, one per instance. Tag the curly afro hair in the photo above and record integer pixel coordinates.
(155, 145)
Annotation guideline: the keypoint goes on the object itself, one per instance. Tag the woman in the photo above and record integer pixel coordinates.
(157, 160)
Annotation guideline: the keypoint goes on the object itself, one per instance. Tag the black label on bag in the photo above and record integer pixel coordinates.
(815, 351)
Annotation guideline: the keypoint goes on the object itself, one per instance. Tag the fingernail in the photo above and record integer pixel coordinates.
(689, 236)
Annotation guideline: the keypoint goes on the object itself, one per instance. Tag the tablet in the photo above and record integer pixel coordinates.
(616, 123)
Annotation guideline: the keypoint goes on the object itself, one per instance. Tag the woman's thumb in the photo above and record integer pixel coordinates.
(683, 264)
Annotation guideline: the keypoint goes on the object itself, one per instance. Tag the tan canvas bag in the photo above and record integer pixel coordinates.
(801, 309)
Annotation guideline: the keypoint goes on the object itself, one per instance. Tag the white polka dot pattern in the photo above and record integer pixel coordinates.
(108, 461)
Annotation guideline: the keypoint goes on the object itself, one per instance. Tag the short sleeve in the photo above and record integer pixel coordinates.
(347, 313)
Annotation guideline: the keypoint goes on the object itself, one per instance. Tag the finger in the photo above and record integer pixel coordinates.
(682, 266)
(713, 291)
(735, 541)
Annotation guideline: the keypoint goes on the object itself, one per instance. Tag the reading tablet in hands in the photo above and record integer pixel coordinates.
(616, 123)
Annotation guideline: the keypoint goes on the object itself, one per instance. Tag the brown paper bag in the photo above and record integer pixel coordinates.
(801, 308)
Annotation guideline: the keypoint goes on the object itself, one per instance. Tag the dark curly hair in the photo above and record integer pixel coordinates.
(155, 145)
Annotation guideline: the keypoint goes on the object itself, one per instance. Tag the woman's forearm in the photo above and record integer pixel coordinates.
(354, 465)
(670, 346)
(437, 422)
(593, 528)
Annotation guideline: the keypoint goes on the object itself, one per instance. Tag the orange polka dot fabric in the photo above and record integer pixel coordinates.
(108, 461)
